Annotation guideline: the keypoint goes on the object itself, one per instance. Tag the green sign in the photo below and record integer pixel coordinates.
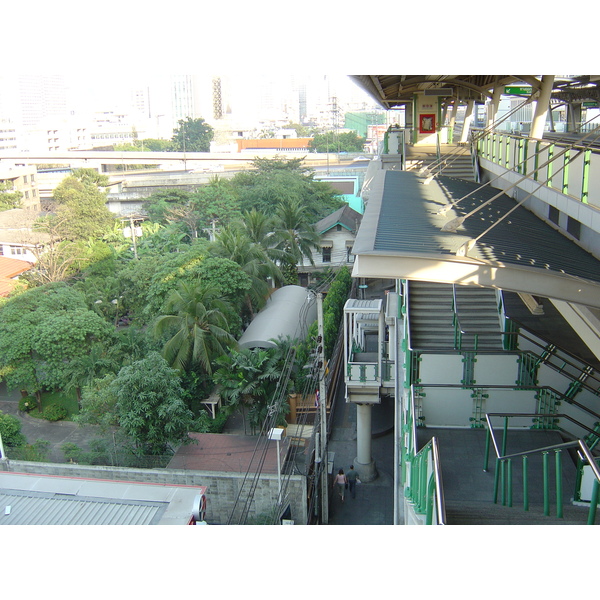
(518, 90)
(591, 104)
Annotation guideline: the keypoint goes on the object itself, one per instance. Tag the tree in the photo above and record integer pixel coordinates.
(249, 380)
(81, 211)
(10, 431)
(234, 244)
(337, 142)
(196, 328)
(9, 198)
(276, 180)
(192, 135)
(41, 330)
(294, 236)
(149, 405)
(216, 202)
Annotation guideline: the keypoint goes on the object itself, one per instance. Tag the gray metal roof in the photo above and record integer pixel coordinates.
(345, 216)
(290, 311)
(34, 499)
(527, 254)
(45, 508)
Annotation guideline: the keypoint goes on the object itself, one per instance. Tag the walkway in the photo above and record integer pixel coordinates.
(56, 434)
(374, 502)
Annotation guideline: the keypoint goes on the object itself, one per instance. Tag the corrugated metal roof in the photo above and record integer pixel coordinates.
(47, 508)
(405, 219)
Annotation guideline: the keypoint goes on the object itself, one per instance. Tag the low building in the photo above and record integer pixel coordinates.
(10, 269)
(23, 179)
(18, 239)
(337, 231)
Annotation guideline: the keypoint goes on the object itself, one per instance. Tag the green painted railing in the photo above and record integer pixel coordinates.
(522, 155)
(425, 487)
(503, 475)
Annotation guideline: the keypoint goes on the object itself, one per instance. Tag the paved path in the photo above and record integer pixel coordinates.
(57, 433)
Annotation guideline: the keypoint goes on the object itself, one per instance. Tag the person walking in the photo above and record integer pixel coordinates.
(352, 478)
(341, 481)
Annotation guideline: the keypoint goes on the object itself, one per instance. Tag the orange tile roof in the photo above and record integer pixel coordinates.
(9, 269)
(273, 144)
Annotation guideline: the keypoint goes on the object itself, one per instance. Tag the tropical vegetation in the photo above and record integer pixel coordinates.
(138, 340)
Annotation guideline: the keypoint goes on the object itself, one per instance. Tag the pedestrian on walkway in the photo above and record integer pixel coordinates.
(352, 480)
(341, 481)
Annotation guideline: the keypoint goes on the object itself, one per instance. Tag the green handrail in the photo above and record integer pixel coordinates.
(504, 468)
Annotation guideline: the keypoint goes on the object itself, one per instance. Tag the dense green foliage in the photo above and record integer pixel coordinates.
(9, 198)
(96, 316)
(337, 142)
(192, 135)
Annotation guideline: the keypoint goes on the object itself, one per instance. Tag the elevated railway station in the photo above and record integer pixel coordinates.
(488, 333)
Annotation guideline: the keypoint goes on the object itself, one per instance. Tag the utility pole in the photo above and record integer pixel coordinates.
(322, 415)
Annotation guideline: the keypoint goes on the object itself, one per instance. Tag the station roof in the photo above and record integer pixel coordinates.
(401, 237)
(394, 91)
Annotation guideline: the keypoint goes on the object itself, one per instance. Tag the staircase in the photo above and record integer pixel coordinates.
(431, 317)
(488, 513)
(458, 165)
(478, 313)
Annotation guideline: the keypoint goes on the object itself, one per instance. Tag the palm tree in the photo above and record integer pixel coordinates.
(87, 366)
(235, 244)
(197, 326)
(295, 236)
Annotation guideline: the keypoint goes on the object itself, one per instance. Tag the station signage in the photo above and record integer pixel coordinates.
(590, 104)
(518, 90)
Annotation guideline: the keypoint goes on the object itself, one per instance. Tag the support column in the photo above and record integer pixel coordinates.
(541, 107)
(453, 118)
(467, 124)
(494, 104)
(364, 464)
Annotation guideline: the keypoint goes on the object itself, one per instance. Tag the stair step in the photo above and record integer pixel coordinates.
(488, 513)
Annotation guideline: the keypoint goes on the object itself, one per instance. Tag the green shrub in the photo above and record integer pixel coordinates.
(54, 412)
(10, 430)
(72, 452)
(27, 403)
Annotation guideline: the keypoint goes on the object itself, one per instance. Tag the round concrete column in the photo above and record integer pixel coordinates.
(541, 107)
(464, 136)
(364, 464)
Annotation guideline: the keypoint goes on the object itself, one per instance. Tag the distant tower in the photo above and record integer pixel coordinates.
(217, 98)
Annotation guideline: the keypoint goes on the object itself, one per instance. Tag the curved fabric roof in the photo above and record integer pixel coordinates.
(290, 311)
(393, 91)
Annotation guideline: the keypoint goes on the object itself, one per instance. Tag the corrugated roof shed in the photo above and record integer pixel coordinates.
(33, 499)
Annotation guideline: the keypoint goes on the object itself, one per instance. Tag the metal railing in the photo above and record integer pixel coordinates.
(424, 488)
(503, 471)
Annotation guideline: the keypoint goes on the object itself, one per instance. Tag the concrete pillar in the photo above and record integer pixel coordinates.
(364, 464)
(541, 107)
(494, 104)
(573, 117)
(468, 119)
(452, 122)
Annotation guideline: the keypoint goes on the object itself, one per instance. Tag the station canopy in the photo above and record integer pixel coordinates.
(396, 91)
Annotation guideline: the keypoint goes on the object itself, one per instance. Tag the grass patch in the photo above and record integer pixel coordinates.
(60, 398)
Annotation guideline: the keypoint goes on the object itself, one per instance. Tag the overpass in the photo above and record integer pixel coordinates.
(99, 160)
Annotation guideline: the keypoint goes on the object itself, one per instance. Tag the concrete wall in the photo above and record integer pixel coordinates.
(222, 488)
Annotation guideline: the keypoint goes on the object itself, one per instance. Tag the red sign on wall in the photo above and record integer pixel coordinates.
(427, 123)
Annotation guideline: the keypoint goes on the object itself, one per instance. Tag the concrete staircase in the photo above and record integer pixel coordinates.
(431, 317)
(458, 165)
(488, 513)
(430, 311)
(478, 314)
